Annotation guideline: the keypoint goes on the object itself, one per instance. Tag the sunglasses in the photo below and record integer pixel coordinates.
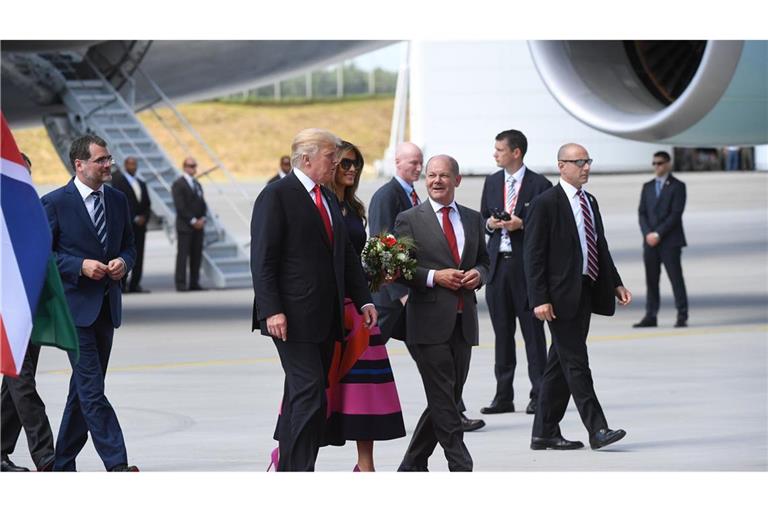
(656, 164)
(346, 163)
(581, 162)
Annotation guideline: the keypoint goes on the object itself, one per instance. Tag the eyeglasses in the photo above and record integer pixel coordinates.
(346, 163)
(104, 160)
(190, 165)
(656, 164)
(581, 162)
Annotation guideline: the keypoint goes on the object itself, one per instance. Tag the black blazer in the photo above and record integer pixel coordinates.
(553, 260)
(120, 182)
(493, 198)
(665, 214)
(188, 205)
(387, 202)
(294, 268)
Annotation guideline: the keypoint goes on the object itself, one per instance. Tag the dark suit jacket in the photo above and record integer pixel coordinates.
(75, 239)
(188, 205)
(430, 311)
(274, 178)
(665, 214)
(295, 270)
(553, 260)
(387, 202)
(120, 182)
(493, 198)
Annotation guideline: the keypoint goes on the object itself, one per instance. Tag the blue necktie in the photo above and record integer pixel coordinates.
(658, 188)
(100, 220)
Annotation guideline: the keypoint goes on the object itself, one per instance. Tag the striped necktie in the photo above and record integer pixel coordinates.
(589, 232)
(414, 197)
(100, 220)
(509, 204)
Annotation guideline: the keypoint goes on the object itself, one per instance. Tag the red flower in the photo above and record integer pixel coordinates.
(389, 241)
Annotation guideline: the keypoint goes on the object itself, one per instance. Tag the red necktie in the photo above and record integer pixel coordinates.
(450, 235)
(323, 213)
(414, 198)
(589, 232)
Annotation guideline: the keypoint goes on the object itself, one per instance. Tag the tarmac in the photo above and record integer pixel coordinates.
(196, 390)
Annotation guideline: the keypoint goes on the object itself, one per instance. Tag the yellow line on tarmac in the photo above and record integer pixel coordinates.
(687, 332)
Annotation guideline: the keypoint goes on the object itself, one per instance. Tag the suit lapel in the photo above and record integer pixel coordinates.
(305, 201)
(524, 196)
(405, 201)
(430, 220)
(470, 235)
(497, 185)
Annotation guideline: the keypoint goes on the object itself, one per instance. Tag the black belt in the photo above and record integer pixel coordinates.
(505, 255)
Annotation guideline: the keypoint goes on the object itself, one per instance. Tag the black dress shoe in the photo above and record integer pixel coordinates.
(197, 288)
(681, 322)
(531, 409)
(412, 469)
(554, 443)
(7, 466)
(604, 437)
(468, 425)
(124, 468)
(646, 322)
(138, 289)
(498, 408)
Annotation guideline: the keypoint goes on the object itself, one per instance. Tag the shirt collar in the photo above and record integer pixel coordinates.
(517, 175)
(437, 206)
(85, 190)
(406, 186)
(662, 179)
(569, 189)
(305, 180)
(128, 177)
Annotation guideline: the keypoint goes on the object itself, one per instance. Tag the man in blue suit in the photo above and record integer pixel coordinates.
(94, 247)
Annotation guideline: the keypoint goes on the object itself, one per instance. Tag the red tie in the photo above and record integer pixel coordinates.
(323, 213)
(414, 198)
(450, 235)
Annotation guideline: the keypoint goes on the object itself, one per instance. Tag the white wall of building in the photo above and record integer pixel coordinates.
(463, 93)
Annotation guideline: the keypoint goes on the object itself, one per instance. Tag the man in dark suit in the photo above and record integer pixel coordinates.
(285, 169)
(662, 202)
(94, 248)
(570, 275)
(303, 265)
(395, 196)
(135, 191)
(511, 189)
(21, 406)
(190, 225)
(442, 310)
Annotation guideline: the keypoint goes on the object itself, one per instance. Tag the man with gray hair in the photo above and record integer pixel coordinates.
(441, 313)
(303, 264)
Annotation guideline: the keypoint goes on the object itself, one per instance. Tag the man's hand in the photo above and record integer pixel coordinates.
(116, 269)
(494, 223)
(140, 220)
(652, 239)
(277, 325)
(199, 224)
(93, 269)
(471, 279)
(623, 295)
(513, 224)
(370, 316)
(449, 278)
(544, 312)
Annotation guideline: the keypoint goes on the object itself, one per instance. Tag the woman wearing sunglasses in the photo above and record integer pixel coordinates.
(363, 398)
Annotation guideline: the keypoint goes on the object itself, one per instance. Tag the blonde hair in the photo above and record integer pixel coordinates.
(309, 141)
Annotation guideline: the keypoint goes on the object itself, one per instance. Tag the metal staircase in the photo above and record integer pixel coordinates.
(95, 106)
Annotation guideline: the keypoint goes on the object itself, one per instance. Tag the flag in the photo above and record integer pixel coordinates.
(25, 246)
(53, 324)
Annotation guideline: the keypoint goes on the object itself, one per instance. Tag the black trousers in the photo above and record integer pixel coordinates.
(670, 257)
(301, 427)
(190, 248)
(506, 297)
(87, 409)
(21, 406)
(139, 234)
(567, 374)
(444, 368)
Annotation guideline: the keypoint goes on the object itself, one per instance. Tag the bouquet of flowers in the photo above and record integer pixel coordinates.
(385, 258)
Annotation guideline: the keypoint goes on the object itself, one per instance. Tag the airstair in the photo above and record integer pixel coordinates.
(95, 106)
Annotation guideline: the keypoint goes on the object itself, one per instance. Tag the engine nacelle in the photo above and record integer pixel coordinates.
(673, 92)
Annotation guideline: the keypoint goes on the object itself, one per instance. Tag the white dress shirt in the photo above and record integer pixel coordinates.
(88, 199)
(310, 185)
(458, 229)
(573, 196)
